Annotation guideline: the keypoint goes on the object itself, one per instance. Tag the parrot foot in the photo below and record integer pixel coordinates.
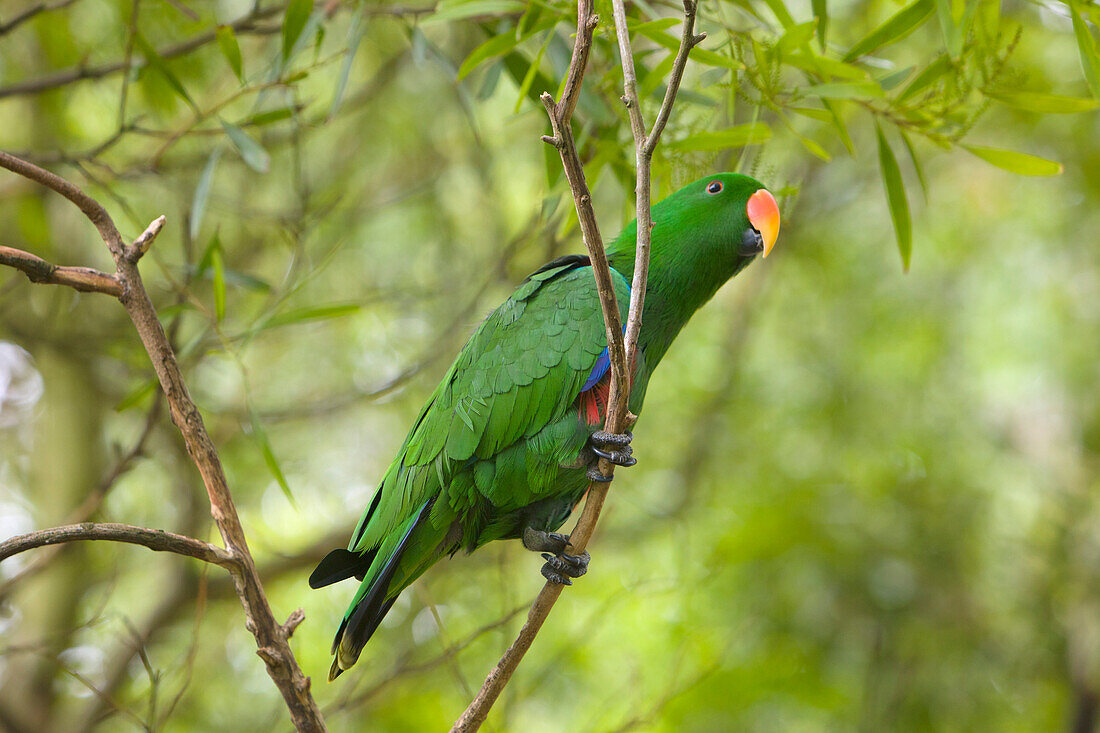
(560, 566)
(615, 447)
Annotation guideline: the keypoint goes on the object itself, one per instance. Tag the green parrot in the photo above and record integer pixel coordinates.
(506, 446)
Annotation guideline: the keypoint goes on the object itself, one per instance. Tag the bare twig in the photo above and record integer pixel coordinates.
(30, 12)
(618, 418)
(155, 539)
(37, 270)
(270, 635)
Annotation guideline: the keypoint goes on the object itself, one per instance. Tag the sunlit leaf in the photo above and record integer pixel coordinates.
(450, 10)
(796, 37)
(822, 16)
(217, 266)
(846, 90)
(895, 197)
(529, 77)
(1022, 163)
(154, 60)
(227, 42)
(1045, 103)
(356, 30)
(894, 78)
(904, 22)
(930, 75)
(779, 10)
(137, 395)
(202, 192)
(312, 313)
(732, 137)
(253, 154)
(1086, 46)
(260, 435)
(294, 22)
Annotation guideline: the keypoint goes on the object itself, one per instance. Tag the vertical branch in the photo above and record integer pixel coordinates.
(560, 114)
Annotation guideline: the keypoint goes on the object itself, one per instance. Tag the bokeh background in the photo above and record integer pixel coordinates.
(866, 499)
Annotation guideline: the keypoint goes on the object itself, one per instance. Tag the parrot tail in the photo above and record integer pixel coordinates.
(373, 600)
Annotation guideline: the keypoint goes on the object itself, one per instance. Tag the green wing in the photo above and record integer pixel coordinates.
(491, 440)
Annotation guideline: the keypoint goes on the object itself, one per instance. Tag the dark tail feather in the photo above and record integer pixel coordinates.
(357, 629)
(340, 565)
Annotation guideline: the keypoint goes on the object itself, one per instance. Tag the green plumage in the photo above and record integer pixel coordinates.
(500, 444)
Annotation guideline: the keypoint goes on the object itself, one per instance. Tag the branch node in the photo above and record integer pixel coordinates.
(592, 22)
(141, 244)
(625, 100)
(696, 40)
(269, 655)
(293, 622)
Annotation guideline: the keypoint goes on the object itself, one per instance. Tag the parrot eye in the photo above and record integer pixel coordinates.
(714, 187)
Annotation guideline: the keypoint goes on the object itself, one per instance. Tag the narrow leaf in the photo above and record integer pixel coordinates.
(952, 37)
(732, 137)
(846, 90)
(1086, 45)
(202, 192)
(260, 435)
(1045, 103)
(312, 313)
(294, 22)
(218, 267)
(930, 75)
(1010, 160)
(451, 11)
(895, 197)
(499, 45)
(822, 16)
(904, 22)
(355, 35)
(532, 71)
(139, 393)
(916, 162)
(227, 42)
(255, 157)
(154, 60)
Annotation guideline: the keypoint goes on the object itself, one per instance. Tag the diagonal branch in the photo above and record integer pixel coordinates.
(155, 539)
(271, 636)
(618, 418)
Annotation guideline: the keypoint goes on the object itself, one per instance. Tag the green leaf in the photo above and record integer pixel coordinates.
(653, 32)
(814, 147)
(894, 78)
(822, 16)
(532, 71)
(266, 118)
(796, 37)
(202, 192)
(930, 75)
(1010, 160)
(1086, 45)
(227, 41)
(312, 313)
(218, 267)
(1045, 103)
(821, 115)
(916, 163)
(779, 10)
(255, 157)
(499, 45)
(355, 34)
(294, 22)
(846, 90)
(904, 22)
(154, 60)
(137, 395)
(825, 66)
(838, 124)
(451, 10)
(952, 37)
(732, 137)
(895, 197)
(260, 435)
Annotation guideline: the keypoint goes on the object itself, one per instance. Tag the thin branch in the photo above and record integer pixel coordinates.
(618, 418)
(37, 270)
(31, 12)
(270, 635)
(155, 539)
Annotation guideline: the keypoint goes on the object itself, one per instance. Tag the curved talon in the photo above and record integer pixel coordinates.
(594, 474)
(619, 458)
(560, 568)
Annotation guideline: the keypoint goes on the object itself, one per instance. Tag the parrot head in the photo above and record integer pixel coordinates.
(715, 225)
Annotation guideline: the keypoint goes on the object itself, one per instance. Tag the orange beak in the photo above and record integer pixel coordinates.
(763, 212)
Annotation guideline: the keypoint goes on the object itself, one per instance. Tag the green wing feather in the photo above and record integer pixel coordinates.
(493, 439)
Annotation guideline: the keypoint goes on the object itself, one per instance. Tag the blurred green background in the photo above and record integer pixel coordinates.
(865, 500)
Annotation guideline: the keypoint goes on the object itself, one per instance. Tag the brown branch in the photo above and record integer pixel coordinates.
(618, 418)
(37, 270)
(270, 635)
(31, 12)
(155, 539)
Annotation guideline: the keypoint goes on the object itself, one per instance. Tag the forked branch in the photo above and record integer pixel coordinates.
(618, 418)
